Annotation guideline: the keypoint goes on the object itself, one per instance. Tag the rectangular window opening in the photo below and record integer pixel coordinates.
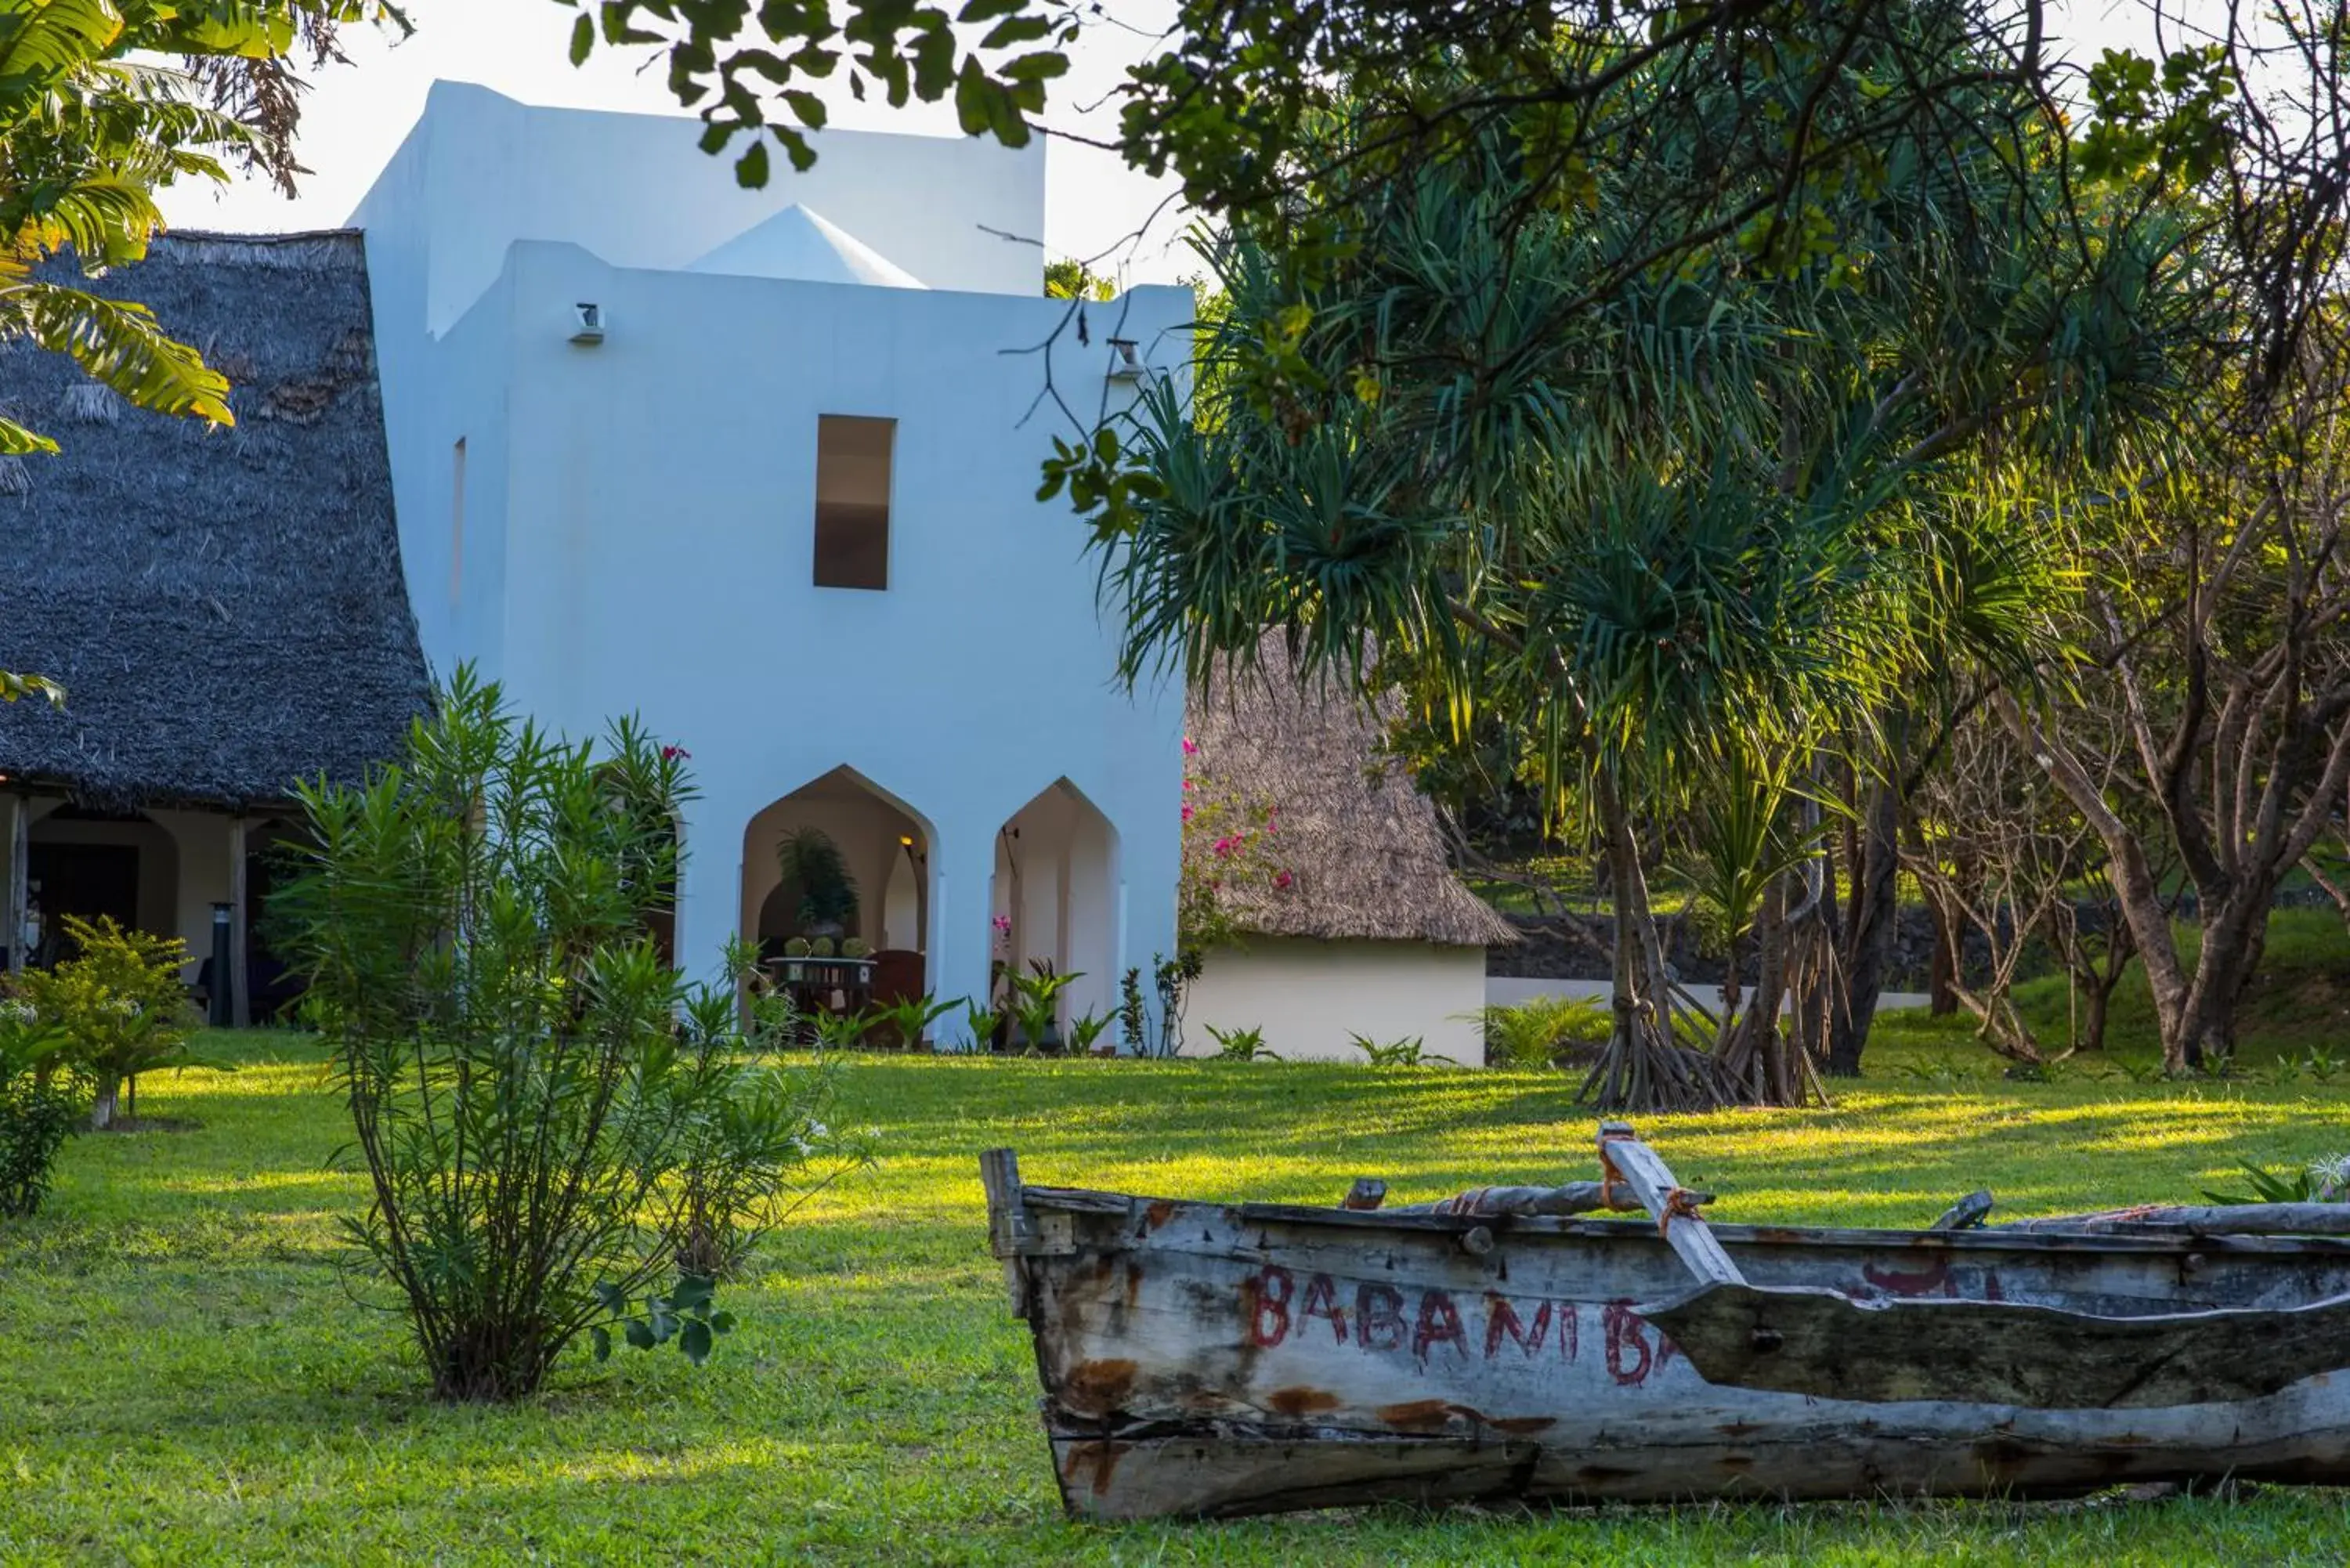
(457, 525)
(852, 501)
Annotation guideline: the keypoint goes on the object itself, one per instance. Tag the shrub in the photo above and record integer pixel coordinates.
(1543, 1030)
(809, 859)
(552, 1123)
(1034, 1002)
(40, 1104)
(856, 948)
(755, 1162)
(821, 946)
(121, 1005)
(797, 947)
(1411, 1051)
(1084, 1031)
(909, 1017)
(1242, 1045)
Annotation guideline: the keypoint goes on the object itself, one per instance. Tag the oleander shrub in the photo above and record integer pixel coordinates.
(40, 1105)
(563, 1137)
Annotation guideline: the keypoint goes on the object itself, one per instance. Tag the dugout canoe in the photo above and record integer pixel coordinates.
(1218, 1359)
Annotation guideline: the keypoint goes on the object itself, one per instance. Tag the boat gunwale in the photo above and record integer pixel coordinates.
(1091, 1200)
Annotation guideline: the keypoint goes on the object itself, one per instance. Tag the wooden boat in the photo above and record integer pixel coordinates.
(1221, 1359)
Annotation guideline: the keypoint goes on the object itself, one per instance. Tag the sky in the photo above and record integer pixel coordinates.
(355, 116)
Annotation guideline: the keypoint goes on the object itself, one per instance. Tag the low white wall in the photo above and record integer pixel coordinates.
(1508, 991)
(1311, 997)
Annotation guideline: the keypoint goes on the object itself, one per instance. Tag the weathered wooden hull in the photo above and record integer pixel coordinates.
(1209, 1360)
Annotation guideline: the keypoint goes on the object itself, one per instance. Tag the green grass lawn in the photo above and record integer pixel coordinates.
(184, 1380)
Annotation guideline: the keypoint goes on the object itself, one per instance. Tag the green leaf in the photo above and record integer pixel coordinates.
(597, 1334)
(722, 1322)
(582, 38)
(640, 1332)
(696, 1342)
(751, 169)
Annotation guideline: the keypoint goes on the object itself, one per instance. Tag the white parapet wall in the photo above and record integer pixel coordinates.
(1311, 997)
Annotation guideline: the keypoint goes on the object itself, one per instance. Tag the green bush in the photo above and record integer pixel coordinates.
(40, 1105)
(1242, 1045)
(1410, 1051)
(120, 1006)
(553, 1124)
(1544, 1031)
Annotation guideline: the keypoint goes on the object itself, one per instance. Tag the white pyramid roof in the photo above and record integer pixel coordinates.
(800, 242)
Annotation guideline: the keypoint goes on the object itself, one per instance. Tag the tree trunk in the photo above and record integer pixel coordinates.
(1868, 937)
(2235, 933)
(1642, 1068)
(2096, 1000)
(2134, 885)
(102, 1106)
(1943, 978)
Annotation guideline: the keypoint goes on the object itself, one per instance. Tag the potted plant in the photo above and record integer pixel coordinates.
(794, 951)
(809, 858)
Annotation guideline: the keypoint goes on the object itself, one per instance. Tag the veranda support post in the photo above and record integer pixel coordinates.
(20, 836)
(240, 916)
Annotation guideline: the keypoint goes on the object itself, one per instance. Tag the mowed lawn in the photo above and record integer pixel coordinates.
(184, 1377)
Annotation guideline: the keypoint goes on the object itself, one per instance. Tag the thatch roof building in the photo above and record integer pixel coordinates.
(1373, 935)
(1361, 844)
(224, 606)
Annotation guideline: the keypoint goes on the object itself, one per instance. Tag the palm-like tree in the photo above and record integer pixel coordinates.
(1731, 505)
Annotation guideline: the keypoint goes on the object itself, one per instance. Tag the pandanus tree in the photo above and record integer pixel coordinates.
(1744, 506)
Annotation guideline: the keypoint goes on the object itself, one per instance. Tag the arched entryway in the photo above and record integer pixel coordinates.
(1056, 902)
(885, 848)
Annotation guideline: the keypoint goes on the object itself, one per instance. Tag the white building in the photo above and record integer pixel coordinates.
(761, 467)
(1352, 926)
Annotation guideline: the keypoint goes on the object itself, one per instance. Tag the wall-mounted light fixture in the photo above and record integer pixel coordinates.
(587, 322)
(1126, 361)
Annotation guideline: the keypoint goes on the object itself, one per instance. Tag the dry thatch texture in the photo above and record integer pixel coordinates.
(224, 606)
(1360, 843)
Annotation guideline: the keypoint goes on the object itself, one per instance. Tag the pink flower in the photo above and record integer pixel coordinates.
(676, 754)
(1190, 747)
(1002, 925)
(1190, 784)
(1226, 845)
(1282, 880)
(1187, 811)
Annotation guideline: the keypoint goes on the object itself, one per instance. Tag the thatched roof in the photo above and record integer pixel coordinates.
(224, 606)
(1361, 844)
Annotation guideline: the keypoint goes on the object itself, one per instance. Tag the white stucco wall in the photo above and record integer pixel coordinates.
(638, 515)
(1311, 997)
(637, 190)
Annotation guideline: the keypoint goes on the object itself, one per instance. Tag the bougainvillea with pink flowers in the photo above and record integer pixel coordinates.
(1231, 847)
